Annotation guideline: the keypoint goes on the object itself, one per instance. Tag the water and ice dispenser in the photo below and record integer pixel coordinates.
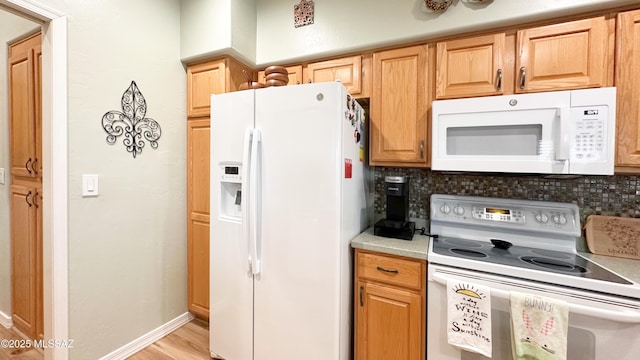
(231, 191)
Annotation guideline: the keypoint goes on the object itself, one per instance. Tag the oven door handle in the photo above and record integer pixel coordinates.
(617, 316)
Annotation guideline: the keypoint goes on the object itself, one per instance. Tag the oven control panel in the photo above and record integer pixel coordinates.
(512, 213)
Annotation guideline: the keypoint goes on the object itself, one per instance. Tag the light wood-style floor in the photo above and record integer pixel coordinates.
(16, 353)
(189, 342)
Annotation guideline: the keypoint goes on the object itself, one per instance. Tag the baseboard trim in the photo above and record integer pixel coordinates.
(148, 338)
(5, 320)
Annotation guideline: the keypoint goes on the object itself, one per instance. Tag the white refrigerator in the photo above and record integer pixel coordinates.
(289, 190)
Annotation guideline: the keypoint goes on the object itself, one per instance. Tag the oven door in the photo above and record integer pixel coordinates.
(600, 326)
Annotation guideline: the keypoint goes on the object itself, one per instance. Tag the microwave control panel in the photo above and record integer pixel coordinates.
(589, 132)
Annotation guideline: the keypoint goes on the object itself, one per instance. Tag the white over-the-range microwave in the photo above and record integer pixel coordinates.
(559, 132)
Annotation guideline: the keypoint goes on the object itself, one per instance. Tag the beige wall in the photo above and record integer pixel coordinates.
(11, 27)
(213, 28)
(348, 26)
(127, 247)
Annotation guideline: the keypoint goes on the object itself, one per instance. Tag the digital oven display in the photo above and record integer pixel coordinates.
(497, 211)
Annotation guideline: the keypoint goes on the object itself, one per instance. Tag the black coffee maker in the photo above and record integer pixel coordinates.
(396, 224)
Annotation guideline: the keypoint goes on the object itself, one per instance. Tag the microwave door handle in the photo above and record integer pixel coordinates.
(630, 317)
(563, 140)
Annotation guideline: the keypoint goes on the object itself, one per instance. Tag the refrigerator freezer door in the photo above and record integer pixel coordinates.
(231, 291)
(297, 293)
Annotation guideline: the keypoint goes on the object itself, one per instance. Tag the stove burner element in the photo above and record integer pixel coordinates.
(552, 254)
(554, 264)
(469, 253)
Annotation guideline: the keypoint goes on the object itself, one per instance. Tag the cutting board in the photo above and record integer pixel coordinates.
(613, 236)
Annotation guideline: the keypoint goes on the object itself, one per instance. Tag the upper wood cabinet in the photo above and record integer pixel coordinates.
(628, 89)
(354, 72)
(348, 70)
(25, 62)
(295, 75)
(212, 77)
(398, 108)
(570, 55)
(471, 66)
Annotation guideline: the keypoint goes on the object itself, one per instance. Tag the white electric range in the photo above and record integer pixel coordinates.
(527, 246)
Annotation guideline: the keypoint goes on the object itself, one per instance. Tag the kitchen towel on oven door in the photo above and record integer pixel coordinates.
(469, 317)
(539, 327)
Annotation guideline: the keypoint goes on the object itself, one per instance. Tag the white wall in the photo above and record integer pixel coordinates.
(127, 247)
(11, 27)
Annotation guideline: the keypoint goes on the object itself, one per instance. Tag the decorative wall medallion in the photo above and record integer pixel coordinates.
(132, 122)
(438, 5)
(303, 13)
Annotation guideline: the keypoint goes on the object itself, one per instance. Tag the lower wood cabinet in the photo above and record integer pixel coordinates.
(26, 258)
(390, 307)
(198, 145)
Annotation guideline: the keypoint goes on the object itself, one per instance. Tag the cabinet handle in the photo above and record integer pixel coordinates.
(26, 165)
(309, 81)
(361, 300)
(421, 149)
(33, 166)
(523, 77)
(35, 197)
(499, 82)
(26, 198)
(390, 271)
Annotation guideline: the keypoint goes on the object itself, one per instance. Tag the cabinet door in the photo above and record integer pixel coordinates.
(569, 55)
(398, 121)
(198, 145)
(389, 324)
(24, 258)
(202, 81)
(470, 67)
(348, 70)
(295, 75)
(628, 91)
(22, 113)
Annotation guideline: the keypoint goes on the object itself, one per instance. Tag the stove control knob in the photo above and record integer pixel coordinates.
(562, 220)
(559, 219)
(459, 210)
(445, 208)
(542, 218)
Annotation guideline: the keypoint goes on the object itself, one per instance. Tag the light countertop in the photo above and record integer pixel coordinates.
(416, 248)
(628, 268)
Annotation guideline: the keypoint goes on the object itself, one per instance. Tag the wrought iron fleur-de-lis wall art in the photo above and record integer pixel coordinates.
(131, 122)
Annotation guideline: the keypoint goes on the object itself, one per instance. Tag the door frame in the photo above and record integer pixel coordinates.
(55, 168)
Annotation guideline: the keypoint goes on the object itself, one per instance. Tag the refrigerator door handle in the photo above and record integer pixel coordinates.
(255, 191)
(246, 198)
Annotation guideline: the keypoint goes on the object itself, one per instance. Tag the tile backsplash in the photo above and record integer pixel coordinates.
(617, 195)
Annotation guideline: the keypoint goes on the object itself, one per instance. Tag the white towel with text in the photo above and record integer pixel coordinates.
(469, 317)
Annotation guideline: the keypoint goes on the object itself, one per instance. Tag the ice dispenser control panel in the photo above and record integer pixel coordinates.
(231, 191)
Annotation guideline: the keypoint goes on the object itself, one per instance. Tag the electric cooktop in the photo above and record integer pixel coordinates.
(502, 252)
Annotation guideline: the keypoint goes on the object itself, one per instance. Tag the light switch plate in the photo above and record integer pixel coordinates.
(89, 185)
(1, 176)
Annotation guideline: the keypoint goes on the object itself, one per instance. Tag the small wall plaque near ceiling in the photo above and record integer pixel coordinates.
(303, 13)
(131, 122)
